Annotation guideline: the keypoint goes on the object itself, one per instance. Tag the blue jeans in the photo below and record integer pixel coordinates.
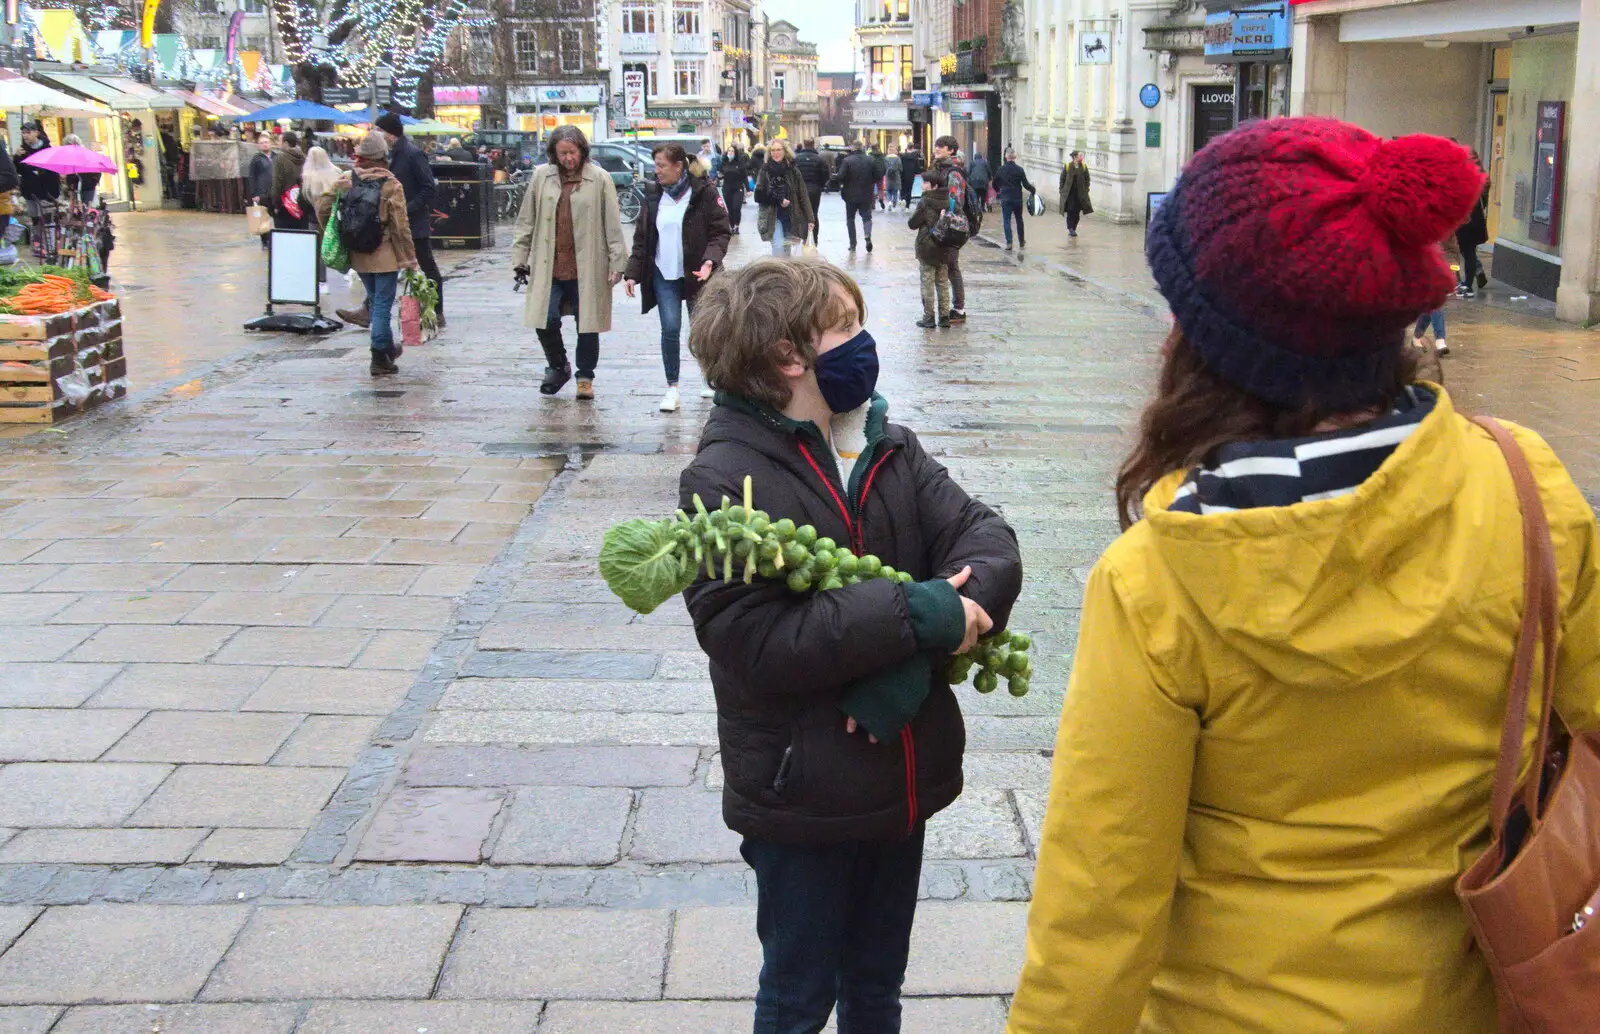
(380, 303)
(835, 927)
(1436, 317)
(1013, 210)
(893, 190)
(780, 231)
(555, 351)
(669, 302)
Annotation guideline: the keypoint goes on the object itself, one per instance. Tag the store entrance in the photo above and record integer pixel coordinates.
(1213, 113)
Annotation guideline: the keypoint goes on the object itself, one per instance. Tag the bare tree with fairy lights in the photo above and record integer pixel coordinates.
(406, 36)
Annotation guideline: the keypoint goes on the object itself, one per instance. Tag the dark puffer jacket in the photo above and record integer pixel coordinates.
(705, 237)
(785, 666)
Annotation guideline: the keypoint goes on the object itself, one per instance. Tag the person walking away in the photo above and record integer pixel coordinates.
(980, 175)
(372, 219)
(1073, 190)
(892, 177)
(815, 171)
(911, 166)
(1470, 236)
(932, 256)
(858, 183)
(411, 168)
(39, 187)
(758, 158)
(786, 210)
(879, 167)
(946, 159)
(838, 735)
(1009, 183)
(258, 178)
(570, 229)
(679, 241)
(1280, 736)
(454, 150)
(287, 160)
(1435, 317)
(317, 177)
(735, 173)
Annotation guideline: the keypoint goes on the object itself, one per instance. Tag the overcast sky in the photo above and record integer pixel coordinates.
(827, 23)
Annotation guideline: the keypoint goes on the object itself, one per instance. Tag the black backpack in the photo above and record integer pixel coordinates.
(971, 203)
(361, 215)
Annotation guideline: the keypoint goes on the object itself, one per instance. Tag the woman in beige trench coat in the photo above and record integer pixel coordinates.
(570, 230)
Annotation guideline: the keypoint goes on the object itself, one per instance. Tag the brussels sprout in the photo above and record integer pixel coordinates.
(848, 566)
(806, 536)
(767, 569)
(826, 543)
(1021, 641)
(888, 572)
(760, 523)
(986, 682)
(904, 577)
(794, 554)
(831, 582)
(1017, 686)
(742, 549)
(871, 564)
(736, 514)
(798, 582)
(824, 560)
(785, 529)
(1017, 663)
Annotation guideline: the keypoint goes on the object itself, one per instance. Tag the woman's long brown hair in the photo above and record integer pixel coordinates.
(1194, 412)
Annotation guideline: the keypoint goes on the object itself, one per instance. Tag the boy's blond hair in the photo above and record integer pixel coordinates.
(743, 317)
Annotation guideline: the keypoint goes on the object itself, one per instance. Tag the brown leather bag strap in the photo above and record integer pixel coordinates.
(1540, 626)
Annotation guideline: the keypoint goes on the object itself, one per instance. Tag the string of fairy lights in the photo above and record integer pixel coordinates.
(406, 36)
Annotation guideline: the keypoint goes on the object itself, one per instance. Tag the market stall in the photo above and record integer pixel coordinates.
(60, 346)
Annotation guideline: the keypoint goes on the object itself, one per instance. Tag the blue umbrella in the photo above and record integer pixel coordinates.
(303, 110)
(371, 115)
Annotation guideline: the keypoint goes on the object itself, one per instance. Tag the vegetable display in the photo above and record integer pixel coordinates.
(46, 290)
(647, 562)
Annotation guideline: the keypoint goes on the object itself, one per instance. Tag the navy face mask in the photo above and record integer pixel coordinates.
(847, 374)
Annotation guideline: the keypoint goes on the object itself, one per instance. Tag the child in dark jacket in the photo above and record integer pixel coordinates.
(933, 257)
(838, 735)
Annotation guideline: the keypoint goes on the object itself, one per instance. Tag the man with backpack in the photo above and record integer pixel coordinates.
(815, 172)
(377, 233)
(858, 182)
(947, 161)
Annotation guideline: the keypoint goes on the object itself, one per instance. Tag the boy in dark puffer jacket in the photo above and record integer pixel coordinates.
(933, 257)
(839, 736)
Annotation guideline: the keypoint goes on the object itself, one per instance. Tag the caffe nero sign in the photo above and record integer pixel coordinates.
(1258, 33)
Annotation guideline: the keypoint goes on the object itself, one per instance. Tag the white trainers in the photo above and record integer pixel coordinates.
(669, 401)
(708, 393)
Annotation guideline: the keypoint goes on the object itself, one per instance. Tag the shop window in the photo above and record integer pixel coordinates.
(903, 11)
(780, 83)
(652, 86)
(571, 50)
(686, 78)
(573, 7)
(905, 66)
(254, 7)
(527, 50)
(686, 18)
(638, 17)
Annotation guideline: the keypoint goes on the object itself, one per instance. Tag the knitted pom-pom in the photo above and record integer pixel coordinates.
(1421, 188)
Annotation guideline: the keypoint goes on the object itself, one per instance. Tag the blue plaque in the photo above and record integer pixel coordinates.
(1149, 95)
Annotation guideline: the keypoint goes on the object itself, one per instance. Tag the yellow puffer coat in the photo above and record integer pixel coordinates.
(1276, 753)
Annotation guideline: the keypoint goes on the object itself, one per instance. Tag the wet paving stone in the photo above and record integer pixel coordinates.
(560, 664)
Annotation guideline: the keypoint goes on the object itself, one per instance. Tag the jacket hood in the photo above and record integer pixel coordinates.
(1344, 590)
(375, 172)
(737, 419)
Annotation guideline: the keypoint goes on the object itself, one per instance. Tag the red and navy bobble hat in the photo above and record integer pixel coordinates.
(1294, 251)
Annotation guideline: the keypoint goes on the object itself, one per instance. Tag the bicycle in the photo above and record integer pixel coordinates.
(631, 202)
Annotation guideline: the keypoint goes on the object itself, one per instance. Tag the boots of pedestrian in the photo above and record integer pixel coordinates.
(927, 323)
(555, 378)
(361, 317)
(944, 321)
(869, 245)
(382, 365)
(585, 390)
(956, 316)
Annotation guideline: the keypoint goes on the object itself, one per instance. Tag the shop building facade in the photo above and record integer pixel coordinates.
(676, 52)
(885, 41)
(1519, 83)
(792, 82)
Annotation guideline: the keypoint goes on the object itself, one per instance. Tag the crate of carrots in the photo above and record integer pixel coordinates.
(60, 345)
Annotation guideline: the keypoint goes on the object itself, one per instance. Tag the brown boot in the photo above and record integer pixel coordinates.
(585, 390)
(361, 317)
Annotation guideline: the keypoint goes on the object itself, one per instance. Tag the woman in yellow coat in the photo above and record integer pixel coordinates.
(1277, 746)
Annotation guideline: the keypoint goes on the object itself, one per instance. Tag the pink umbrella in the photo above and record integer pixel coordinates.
(70, 159)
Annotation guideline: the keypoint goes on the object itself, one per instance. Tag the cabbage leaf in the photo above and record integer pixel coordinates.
(644, 564)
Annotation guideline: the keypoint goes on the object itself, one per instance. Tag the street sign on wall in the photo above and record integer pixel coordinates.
(633, 94)
(1094, 48)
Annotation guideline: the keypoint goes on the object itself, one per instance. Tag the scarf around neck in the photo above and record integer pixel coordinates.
(679, 188)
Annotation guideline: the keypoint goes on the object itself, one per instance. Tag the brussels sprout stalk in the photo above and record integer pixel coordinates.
(648, 562)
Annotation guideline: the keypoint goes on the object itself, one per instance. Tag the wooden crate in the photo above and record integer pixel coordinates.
(38, 352)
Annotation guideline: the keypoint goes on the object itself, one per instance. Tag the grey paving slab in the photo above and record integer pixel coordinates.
(119, 608)
(432, 1017)
(562, 728)
(35, 608)
(75, 794)
(558, 953)
(715, 954)
(206, 737)
(650, 1018)
(517, 635)
(397, 650)
(111, 577)
(179, 1019)
(310, 647)
(564, 825)
(240, 795)
(248, 846)
(422, 613)
(435, 824)
(330, 691)
(118, 953)
(314, 951)
(443, 765)
(979, 824)
(43, 642)
(967, 948)
(58, 734)
(52, 685)
(182, 687)
(27, 1019)
(684, 825)
(13, 920)
(330, 740)
(261, 608)
(1031, 805)
(1006, 770)
(954, 1015)
(684, 665)
(102, 846)
(156, 643)
(560, 664)
(578, 695)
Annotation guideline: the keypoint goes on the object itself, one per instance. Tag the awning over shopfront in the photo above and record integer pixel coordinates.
(18, 93)
(105, 89)
(206, 104)
(156, 100)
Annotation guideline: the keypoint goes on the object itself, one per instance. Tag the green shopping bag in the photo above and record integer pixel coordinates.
(334, 254)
